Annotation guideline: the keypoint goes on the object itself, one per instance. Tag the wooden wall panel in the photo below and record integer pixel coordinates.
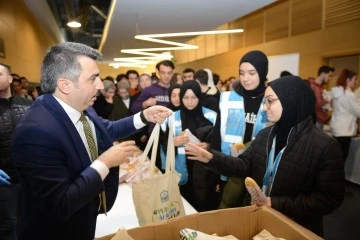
(277, 22)
(200, 42)
(316, 45)
(25, 41)
(222, 40)
(338, 11)
(254, 29)
(315, 48)
(236, 40)
(210, 44)
(306, 16)
(181, 56)
(192, 52)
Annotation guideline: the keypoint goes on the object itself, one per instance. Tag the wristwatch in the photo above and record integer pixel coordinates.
(143, 119)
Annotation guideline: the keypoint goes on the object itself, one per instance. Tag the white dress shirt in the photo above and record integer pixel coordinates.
(74, 116)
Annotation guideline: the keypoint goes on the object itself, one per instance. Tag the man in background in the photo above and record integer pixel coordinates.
(317, 85)
(133, 78)
(188, 74)
(12, 108)
(157, 93)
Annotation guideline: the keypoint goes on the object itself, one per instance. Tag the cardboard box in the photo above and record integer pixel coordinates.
(243, 223)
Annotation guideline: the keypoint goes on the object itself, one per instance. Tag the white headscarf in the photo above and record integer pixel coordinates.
(210, 78)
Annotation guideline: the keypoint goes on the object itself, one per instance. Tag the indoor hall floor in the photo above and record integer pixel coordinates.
(344, 222)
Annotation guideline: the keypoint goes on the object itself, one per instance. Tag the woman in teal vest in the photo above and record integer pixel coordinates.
(241, 118)
(196, 183)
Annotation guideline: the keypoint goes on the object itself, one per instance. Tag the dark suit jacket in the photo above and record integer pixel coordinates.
(60, 192)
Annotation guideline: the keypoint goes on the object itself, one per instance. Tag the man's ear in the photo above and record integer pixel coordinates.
(10, 79)
(64, 85)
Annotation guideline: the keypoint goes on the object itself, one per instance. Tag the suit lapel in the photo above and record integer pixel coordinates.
(103, 139)
(63, 119)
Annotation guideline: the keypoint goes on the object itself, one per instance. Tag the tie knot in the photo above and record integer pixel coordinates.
(82, 118)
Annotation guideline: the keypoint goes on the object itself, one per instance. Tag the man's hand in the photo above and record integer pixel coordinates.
(195, 152)
(4, 178)
(157, 114)
(118, 154)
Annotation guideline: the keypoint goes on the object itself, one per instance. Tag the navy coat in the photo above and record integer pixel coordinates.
(59, 191)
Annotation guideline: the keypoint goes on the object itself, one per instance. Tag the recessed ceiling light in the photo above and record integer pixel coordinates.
(74, 24)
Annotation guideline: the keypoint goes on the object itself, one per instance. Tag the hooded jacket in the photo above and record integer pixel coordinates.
(345, 112)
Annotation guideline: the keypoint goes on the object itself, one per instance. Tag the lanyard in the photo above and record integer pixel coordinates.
(271, 169)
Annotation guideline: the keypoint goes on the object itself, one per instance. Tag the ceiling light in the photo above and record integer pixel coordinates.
(74, 24)
(178, 45)
(117, 65)
(131, 60)
(189, 33)
(175, 45)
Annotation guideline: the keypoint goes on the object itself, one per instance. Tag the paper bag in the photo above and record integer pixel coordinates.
(158, 198)
(190, 234)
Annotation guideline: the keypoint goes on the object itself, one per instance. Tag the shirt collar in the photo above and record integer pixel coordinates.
(73, 114)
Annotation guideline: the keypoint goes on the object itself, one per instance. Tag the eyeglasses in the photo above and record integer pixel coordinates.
(269, 101)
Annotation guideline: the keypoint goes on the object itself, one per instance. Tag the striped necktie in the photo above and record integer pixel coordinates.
(93, 151)
(89, 137)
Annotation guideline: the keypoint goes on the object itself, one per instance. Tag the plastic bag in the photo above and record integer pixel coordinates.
(190, 234)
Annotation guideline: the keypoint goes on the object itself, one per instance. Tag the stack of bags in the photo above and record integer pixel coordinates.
(130, 171)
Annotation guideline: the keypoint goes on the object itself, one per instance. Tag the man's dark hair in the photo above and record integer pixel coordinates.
(285, 73)
(187, 70)
(325, 69)
(120, 76)
(202, 77)
(216, 78)
(62, 61)
(110, 78)
(16, 80)
(131, 72)
(166, 63)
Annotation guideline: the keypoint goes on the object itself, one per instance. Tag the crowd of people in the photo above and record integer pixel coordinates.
(57, 142)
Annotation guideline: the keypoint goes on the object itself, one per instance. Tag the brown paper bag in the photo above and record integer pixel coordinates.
(158, 198)
(190, 234)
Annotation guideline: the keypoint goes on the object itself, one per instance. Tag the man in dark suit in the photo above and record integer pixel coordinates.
(64, 152)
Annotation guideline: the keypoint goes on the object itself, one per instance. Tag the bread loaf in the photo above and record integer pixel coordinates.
(239, 146)
(250, 182)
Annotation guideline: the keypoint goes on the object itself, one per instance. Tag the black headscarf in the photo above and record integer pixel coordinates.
(192, 119)
(260, 62)
(298, 103)
(170, 90)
